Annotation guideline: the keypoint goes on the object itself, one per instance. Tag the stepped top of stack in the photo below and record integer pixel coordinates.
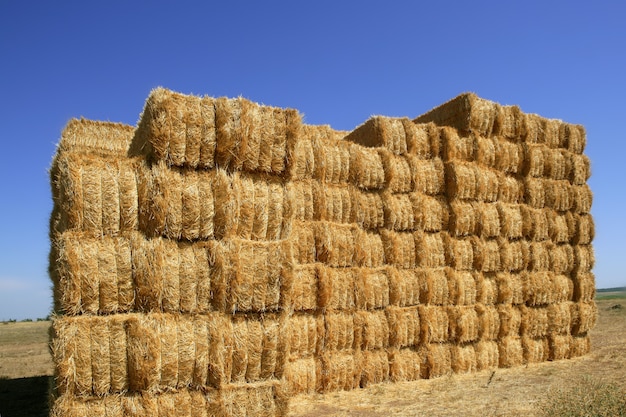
(96, 138)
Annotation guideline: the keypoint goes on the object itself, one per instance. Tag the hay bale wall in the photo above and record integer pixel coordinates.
(223, 256)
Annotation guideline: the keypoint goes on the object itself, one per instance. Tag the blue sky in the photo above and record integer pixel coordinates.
(336, 62)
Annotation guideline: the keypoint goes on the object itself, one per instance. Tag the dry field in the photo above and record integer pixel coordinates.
(25, 366)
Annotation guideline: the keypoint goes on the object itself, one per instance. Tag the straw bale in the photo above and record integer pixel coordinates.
(560, 317)
(372, 288)
(572, 137)
(534, 160)
(404, 326)
(510, 320)
(563, 288)
(227, 203)
(332, 203)
(510, 352)
(487, 355)
(279, 214)
(404, 365)
(302, 239)
(398, 172)
(463, 218)
(510, 288)
(580, 169)
(428, 175)
(463, 323)
(488, 223)
(459, 147)
(368, 209)
(510, 190)
(463, 358)
(486, 254)
(369, 251)
(535, 322)
(461, 181)
(301, 376)
(584, 286)
(339, 371)
(366, 168)
(534, 192)
(434, 323)
(335, 243)
(436, 360)
(221, 350)
(144, 353)
(579, 346)
(534, 129)
(540, 256)
(487, 184)
(514, 255)
(510, 220)
(584, 231)
(374, 367)
(105, 139)
(371, 330)
(261, 399)
(381, 131)
(431, 249)
(332, 160)
(404, 286)
(140, 405)
(582, 198)
(244, 190)
(431, 213)
(100, 353)
(535, 349)
(398, 210)
(466, 112)
(584, 258)
(299, 198)
(71, 352)
(559, 346)
(584, 316)
(418, 139)
(509, 122)
(557, 165)
(434, 288)
(340, 332)
(557, 226)
(304, 335)
(336, 288)
(400, 248)
(304, 290)
(486, 150)
(539, 288)
(564, 258)
(117, 353)
(488, 322)
(486, 289)
(190, 273)
(302, 163)
(459, 253)
(559, 194)
(461, 287)
(535, 224)
(510, 158)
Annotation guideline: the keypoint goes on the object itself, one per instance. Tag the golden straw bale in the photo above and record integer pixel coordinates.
(564, 258)
(579, 346)
(336, 288)
(487, 184)
(302, 163)
(559, 195)
(553, 138)
(434, 323)
(374, 367)
(340, 332)
(463, 358)
(510, 220)
(431, 213)
(486, 254)
(436, 360)
(458, 147)
(404, 326)
(510, 190)
(332, 203)
(514, 255)
(582, 199)
(106, 139)
(339, 371)
(540, 256)
(381, 131)
(581, 169)
(418, 139)
(488, 224)
(570, 136)
(459, 253)
(431, 250)
(486, 289)
(535, 349)
(461, 181)
(534, 129)
(335, 243)
(71, 353)
(371, 329)
(535, 322)
(261, 399)
(404, 286)
(305, 284)
(557, 164)
(461, 287)
(509, 122)
(510, 320)
(486, 150)
(303, 242)
(100, 353)
(584, 258)
(584, 316)
(434, 288)
(584, 231)
(398, 211)
(463, 323)
(487, 355)
(332, 159)
(539, 288)
(560, 317)
(510, 288)
(404, 365)
(534, 160)
(398, 172)
(299, 198)
(261, 211)
(161, 201)
(304, 335)
(535, 224)
(563, 288)
(244, 187)
(372, 288)
(369, 251)
(534, 192)
(145, 365)
(400, 249)
(366, 168)
(510, 352)
(584, 286)
(463, 218)
(428, 175)
(488, 322)
(92, 197)
(368, 209)
(301, 376)
(559, 346)
(227, 200)
(510, 158)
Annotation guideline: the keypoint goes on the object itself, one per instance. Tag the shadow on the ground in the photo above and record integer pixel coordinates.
(22, 397)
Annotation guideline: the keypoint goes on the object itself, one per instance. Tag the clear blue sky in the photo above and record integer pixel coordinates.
(336, 62)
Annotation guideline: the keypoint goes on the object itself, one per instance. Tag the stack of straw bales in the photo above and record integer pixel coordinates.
(223, 256)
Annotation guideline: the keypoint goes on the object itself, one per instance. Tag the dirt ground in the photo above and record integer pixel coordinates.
(25, 367)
